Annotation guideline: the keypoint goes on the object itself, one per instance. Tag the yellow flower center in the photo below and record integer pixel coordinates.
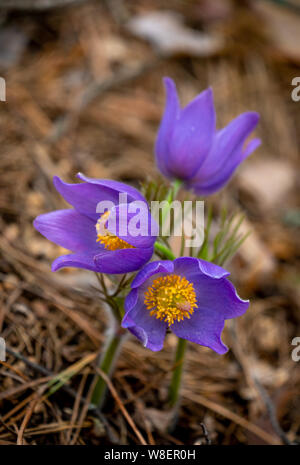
(171, 298)
(105, 237)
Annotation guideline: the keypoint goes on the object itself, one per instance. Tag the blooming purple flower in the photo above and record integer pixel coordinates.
(188, 146)
(192, 297)
(89, 235)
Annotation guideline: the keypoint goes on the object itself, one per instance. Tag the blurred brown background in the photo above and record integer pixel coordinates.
(85, 93)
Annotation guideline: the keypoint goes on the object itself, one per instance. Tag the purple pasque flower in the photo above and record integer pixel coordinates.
(97, 243)
(191, 297)
(188, 146)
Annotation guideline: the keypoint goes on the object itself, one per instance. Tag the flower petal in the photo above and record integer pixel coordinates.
(160, 266)
(149, 330)
(219, 296)
(220, 179)
(76, 260)
(195, 266)
(122, 261)
(204, 328)
(192, 136)
(68, 229)
(226, 155)
(213, 290)
(119, 187)
(84, 197)
(138, 229)
(227, 142)
(171, 113)
(251, 146)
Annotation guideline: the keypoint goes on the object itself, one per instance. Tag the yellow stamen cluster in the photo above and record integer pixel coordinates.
(105, 237)
(171, 298)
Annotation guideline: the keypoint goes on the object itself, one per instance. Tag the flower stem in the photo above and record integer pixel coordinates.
(173, 191)
(106, 364)
(176, 187)
(164, 250)
(177, 373)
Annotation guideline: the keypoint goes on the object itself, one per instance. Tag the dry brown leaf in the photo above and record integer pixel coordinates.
(167, 33)
(283, 26)
(258, 263)
(268, 181)
(159, 419)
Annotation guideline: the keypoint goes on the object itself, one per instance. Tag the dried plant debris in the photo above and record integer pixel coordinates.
(166, 31)
(36, 4)
(283, 26)
(55, 323)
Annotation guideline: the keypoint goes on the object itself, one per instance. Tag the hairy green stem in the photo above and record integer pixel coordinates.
(164, 250)
(106, 364)
(177, 373)
(176, 187)
(173, 191)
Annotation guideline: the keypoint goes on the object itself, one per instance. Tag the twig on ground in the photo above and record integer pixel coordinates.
(205, 434)
(253, 381)
(121, 406)
(271, 412)
(68, 390)
(225, 412)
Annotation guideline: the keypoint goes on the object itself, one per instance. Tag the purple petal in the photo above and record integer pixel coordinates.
(192, 136)
(171, 113)
(160, 266)
(251, 146)
(194, 266)
(228, 141)
(119, 187)
(123, 260)
(138, 229)
(131, 300)
(204, 328)
(84, 197)
(67, 228)
(226, 155)
(219, 296)
(77, 260)
(213, 290)
(149, 330)
(220, 179)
